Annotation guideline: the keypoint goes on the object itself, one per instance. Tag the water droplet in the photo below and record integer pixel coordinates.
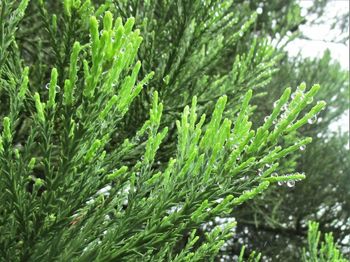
(284, 107)
(291, 183)
(267, 165)
(302, 148)
(58, 89)
(259, 10)
(293, 96)
(104, 125)
(260, 172)
(238, 159)
(274, 174)
(275, 103)
(309, 100)
(280, 183)
(312, 120)
(266, 118)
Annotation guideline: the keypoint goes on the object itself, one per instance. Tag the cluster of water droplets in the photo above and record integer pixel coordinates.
(289, 183)
(284, 110)
(174, 209)
(261, 169)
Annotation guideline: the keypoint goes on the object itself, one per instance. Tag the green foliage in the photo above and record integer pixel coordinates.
(186, 43)
(280, 216)
(107, 158)
(11, 14)
(327, 251)
(252, 257)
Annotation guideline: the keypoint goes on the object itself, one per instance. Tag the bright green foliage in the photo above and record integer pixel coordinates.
(186, 43)
(326, 252)
(280, 216)
(77, 166)
(252, 257)
(85, 174)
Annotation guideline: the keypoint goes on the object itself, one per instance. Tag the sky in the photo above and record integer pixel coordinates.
(317, 46)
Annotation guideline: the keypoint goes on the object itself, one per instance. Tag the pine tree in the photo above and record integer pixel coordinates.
(119, 143)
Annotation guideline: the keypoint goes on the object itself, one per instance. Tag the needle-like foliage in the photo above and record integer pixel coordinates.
(327, 251)
(86, 173)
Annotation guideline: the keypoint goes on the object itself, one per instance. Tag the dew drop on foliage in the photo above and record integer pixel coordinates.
(302, 148)
(309, 100)
(104, 125)
(312, 120)
(266, 118)
(291, 183)
(58, 89)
